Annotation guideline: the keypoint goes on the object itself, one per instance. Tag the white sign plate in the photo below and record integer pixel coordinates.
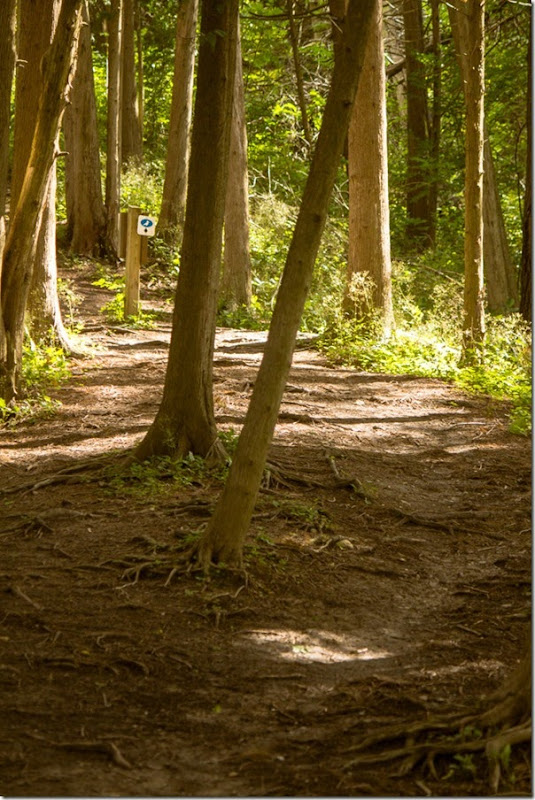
(146, 226)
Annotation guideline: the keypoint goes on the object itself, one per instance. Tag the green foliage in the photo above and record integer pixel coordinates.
(157, 476)
(142, 185)
(428, 342)
(44, 366)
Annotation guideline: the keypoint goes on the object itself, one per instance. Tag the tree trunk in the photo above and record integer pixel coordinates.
(86, 216)
(8, 15)
(131, 136)
(43, 301)
(113, 132)
(185, 421)
(26, 217)
(499, 271)
(33, 44)
(236, 278)
(176, 167)
(527, 250)
(226, 531)
(419, 223)
(301, 99)
(474, 315)
(369, 219)
(436, 119)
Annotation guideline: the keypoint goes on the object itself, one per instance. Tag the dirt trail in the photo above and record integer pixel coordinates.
(388, 580)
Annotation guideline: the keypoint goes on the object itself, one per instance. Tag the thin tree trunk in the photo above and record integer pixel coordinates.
(8, 15)
(86, 216)
(113, 133)
(527, 248)
(436, 118)
(474, 292)
(226, 531)
(418, 211)
(7, 64)
(236, 277)
(21, 240)
(131, 135)
(176, 168)
(369, 217)
(500, 275)
(301, 99)
(43, 301)
(185, 421)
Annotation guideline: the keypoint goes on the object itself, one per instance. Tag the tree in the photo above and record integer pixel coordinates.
(131, 133)
(527, 228)
(176, 168)
(86, 217)
(33, 43)
(7, 64)
(498, 268)
(294, 39)
(185, 420)
(113, 127)
(21, 241)
(474, 315)
(236, 276)
(223, 538)
(419, 219)
(369, 223)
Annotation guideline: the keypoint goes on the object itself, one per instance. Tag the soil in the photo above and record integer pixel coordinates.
(387, 581)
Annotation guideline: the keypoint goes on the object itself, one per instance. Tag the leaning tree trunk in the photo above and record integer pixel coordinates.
(175, 184)
(86, 217)
(33, 44)
(113, 128)
(474, 292)
(131, 133)
(236, 276)
(226, 531)
(369, 217)
(7, 64)
(21, 242)
(499, 271)
(185, 421)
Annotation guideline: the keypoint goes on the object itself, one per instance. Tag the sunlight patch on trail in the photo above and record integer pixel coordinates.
(318, 646)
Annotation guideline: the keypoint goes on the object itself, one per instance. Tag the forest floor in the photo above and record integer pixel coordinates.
(388, 581)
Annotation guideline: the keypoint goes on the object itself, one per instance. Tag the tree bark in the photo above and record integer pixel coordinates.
(527, 228)
(86, 216)
(301, 99)
(500, 275)
(436, 119)
(474, 292)
(131, 136)
(236, 277)
(113, 132)
(171, 217)
(8, 15)
(419, 223)
(33, 44)
(369, 217)
(19, 251)
(185, 421)
(223, 539)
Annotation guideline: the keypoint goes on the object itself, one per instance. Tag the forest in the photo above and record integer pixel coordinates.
(265, 397)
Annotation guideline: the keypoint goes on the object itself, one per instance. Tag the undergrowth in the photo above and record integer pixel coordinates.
(427, 342)
(44, 366)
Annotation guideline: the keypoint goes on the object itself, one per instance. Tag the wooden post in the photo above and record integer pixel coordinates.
(133, 263)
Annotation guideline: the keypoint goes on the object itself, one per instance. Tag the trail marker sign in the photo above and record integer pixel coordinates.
(146, 226)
